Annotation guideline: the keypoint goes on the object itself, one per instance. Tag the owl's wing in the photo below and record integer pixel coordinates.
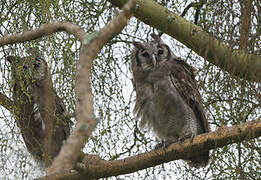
(183, 77)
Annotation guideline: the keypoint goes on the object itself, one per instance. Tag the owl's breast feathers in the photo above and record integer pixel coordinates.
(182, 76)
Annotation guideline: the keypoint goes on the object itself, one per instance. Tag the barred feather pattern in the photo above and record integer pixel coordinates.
(167, 98)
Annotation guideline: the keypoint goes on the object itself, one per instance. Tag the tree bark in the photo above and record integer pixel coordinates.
(246, 6)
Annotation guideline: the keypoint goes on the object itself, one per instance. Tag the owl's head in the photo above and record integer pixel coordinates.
(37, 66)
(147, 56)
(29, 68)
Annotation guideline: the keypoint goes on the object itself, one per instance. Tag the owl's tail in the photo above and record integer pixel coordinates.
(200, 160)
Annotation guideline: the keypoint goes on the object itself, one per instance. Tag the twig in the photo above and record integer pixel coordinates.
(44, 30)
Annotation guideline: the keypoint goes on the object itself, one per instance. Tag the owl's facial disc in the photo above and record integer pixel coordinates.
(150, 57)
(154, 61)
(37, 63)
(162, 52)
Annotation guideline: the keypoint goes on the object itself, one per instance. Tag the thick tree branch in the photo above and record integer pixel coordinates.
(44, 30)
(6, 102)
(219, 138)
(48, 115)
(238, 63)
(86, 122)
(246, 8)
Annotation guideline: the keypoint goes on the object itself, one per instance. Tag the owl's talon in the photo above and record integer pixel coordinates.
(182, 139)
(159, 145)
(191, 138)
(163, 144)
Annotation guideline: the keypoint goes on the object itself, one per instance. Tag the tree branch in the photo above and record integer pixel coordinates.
(246, 9)
(238, 63)
(197, 6)
(204, 142)
(192, 4)
(86, 122)
(44, 30)
(6, 102)
(47, 101)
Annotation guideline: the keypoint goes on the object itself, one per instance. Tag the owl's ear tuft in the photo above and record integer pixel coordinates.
(34, 52)
(138, 45)
(156, 37)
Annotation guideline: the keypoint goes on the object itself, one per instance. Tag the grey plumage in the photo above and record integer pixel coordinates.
(167, 99)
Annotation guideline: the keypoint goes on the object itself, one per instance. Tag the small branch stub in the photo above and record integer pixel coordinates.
(87, 39)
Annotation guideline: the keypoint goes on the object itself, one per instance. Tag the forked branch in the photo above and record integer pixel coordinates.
(86, 122)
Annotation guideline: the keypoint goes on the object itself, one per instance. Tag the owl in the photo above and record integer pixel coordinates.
(32, 85)
(167, 98)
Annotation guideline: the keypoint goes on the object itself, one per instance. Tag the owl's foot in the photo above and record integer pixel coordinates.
(191, 138)
(183, 138)
(163, 144)
(159, 145)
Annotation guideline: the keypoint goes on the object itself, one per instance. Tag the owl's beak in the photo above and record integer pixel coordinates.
(154, 61)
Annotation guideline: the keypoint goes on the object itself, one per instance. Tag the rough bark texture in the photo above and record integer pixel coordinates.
(245, 23)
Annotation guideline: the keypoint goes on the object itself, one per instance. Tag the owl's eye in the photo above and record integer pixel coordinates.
(160, 51)
(25, 66)
(37, 63)
(145, 54)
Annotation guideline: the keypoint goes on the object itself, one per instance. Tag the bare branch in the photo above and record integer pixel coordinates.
(192, 4)
(246, 9)
(6, 102)
(86, 122)
(219, 138)
(44, 30)
(197, 6)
